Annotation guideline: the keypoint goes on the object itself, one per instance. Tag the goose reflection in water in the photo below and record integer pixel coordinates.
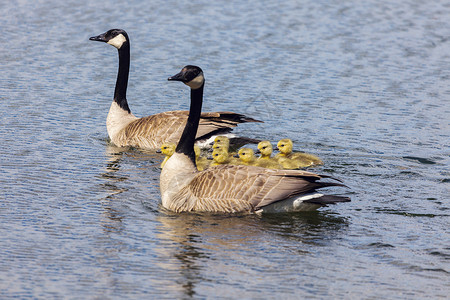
(205, 247)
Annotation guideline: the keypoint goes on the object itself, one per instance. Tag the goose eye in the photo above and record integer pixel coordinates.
(264, 147)
(282, 145)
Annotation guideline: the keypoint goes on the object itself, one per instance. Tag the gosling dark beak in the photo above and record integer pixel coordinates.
(276, 149)
(177, 77)
(257, 151)
(236, 156)
(210, 150)
(209, 157)
(99, 38)
(158, 151)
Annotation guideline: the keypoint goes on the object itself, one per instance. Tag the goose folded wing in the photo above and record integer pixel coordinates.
(156, 129)
(243, 188)
(152, 131)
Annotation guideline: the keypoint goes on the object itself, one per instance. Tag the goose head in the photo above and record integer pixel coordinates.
(191, 76)
(285, 146)
(115, 37)
(265, 148)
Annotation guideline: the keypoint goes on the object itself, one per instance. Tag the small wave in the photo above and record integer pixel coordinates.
(422, 160)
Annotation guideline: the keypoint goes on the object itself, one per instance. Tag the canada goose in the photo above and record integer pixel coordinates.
(294, 160)
(229, 188)
(167, 149)
(125, 129)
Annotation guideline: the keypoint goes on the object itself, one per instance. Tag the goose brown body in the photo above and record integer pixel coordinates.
(166, 127)
(233, 188)
(244, 189)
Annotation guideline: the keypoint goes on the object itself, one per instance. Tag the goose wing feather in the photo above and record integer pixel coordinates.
(245, 188)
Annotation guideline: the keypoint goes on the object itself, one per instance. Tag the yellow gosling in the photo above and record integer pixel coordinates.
(247, 157)
(294, 160)
(167, 149)
(201, 161)
(221, 142)
(222, 157)
(265, 149)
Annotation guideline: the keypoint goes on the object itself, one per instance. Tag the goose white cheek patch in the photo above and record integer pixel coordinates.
(117, 41)
(196, 82)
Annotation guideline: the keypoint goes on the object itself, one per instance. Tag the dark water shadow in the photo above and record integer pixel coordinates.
(421, 160)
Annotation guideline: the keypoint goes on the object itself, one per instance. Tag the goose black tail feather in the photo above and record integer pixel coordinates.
(328, 199)
(239, 141)
(239, 118)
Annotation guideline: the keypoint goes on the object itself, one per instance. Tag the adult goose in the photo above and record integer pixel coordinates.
(231, 188)
(125, 129)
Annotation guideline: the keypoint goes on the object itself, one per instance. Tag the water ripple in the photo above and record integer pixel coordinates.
(364, 85)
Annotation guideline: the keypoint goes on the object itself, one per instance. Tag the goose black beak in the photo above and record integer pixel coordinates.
(257, 151)
(177, 77)
(158, 151)
(99, 38)
(276, 149)
(236, 156)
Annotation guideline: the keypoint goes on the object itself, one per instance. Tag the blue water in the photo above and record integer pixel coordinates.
(364, 85)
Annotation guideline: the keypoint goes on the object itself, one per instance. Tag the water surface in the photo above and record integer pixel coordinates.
(364, 85)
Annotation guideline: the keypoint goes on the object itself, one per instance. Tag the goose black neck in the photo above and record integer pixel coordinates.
(120, 93)
(187, 140)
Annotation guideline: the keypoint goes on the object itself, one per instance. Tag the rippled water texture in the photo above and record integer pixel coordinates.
(363, 84)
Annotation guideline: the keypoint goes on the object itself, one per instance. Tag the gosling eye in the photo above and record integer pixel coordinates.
(282, 145)
(264, 147)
